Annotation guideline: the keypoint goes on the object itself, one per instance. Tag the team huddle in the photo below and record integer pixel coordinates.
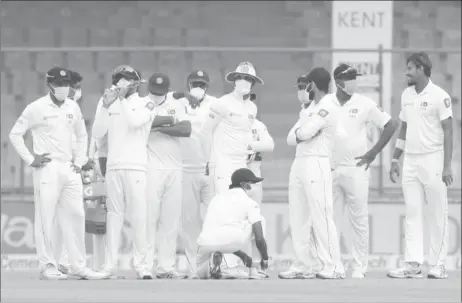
(167, 156)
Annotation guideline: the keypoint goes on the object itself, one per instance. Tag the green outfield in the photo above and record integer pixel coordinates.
(25, 287)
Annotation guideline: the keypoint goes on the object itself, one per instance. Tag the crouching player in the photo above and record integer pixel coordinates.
(233, 224)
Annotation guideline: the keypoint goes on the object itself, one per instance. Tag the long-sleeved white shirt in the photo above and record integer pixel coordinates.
(194, 158)
(350, 139)
(316, 128)
(164, 151)
(127, 124)
(53, 129)
(227, 130)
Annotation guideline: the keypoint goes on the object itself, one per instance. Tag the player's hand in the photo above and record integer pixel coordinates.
(366, 159)
(447, 176)
(76, 169)
(40, 160)
(89, 165)
(394, 171)
(110, 96)
(264, 264)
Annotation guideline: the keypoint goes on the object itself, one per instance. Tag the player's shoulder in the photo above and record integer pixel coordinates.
(438, 91)
(327, 106)
(364, 101)
(407, 91)
(257, 124)
(251, 105)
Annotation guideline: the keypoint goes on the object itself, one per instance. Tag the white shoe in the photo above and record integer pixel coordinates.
(89, 274)
(171, 275)
(63, 269)
(238, 273)
(406, 272)
(144, 274)
(257, 274)
(437, 272)
(51, 273)
(357, 274)
(193, 276)
(335, 275)
(111, 276)
(292, 275)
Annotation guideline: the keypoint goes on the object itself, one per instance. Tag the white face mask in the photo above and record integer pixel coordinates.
(157, 99)
(303, 96)
(124, 83)
(350, 87)
(242, 87)
(61, 93)
(78, 94)
(197, 93)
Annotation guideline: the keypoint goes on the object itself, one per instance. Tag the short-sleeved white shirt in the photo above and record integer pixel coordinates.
(350, 139)
(423, 114)
(164, 151)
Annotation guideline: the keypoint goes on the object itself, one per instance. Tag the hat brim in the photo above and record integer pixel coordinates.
(230, 77)
(157, 91)
(256, 180)
(201, 80)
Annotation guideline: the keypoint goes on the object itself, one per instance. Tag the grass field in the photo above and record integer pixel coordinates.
(26, 287)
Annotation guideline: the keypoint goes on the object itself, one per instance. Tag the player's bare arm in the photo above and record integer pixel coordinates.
(388, 132)
(397, 153)
(260, 242)
(181, 129)
(448, 143)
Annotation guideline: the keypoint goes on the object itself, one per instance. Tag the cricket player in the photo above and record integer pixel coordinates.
(310, 180)
(197, 189)
(426, 137)
(126, 118)
(165, 176)
(261, 142)
(350, 178)
(227, 131)
(233, 224)
(53, 119)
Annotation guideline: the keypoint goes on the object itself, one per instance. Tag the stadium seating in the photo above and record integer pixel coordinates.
(417, 24)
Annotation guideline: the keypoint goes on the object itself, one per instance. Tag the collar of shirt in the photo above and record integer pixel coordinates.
(237, 191)
(426, 90)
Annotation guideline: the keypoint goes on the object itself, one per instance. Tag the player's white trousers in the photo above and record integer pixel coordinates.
(311, 212)
(126, 198)
(256, 193)
(351, 191)
(57, 184)
(221, 173)
(227, 240)
(164, 193)
(422, 184)
(197, 191)
(61, 255)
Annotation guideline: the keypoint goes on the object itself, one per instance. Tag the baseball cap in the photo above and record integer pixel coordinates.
(159, 84)
(244, 175)
(345, 72)
(302, 80)
(199, 76)
(58, 74)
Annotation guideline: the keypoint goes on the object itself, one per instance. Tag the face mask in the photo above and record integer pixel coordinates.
(242, 87)
(303, 96)
(350, 87)
(157, 99)
(124, 83)
(197, 93)
(77, 95)
(61, 93)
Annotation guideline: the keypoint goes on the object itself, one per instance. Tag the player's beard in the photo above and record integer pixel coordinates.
(410, 82)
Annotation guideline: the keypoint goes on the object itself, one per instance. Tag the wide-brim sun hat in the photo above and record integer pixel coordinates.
(244, 69)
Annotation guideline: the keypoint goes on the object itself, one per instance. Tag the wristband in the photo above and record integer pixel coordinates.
(400, 143)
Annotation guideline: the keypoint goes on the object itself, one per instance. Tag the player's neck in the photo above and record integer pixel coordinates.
(342, 97)
(420, 85)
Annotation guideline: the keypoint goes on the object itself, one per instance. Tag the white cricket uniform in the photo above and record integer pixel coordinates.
(310, 186)
(164, 189)
(422, 171)
(127, 124)
(261, 142)
(229, 126)
(351, 183)
(197, 188)
(228, 227)
(56, 183)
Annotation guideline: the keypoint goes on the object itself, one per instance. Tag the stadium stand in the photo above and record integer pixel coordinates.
(419, 24)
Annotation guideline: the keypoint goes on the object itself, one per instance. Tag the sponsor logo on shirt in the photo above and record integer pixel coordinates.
(49, 117)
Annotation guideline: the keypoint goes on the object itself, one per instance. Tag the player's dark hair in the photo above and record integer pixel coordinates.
(231, 186)
(421, 60)
(323, 86)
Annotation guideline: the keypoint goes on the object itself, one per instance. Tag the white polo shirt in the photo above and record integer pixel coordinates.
(317, 124)
(57, 130)
(230, 122)
(194, 158)
(350, 139)
(233, 209)
(164, 151)
(127, 124)
(423, 114)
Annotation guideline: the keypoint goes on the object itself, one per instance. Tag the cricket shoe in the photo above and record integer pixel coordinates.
(358, 274)
(257, 274)
(144, 274)
(408, 271)
(88, 274)
(171, 275)
(111, 276)
(215, 265)
(235, 273)
(51, 273)
(63, 269)
(437, 272)
(334, 275)
(293, 275)
(193, 276)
